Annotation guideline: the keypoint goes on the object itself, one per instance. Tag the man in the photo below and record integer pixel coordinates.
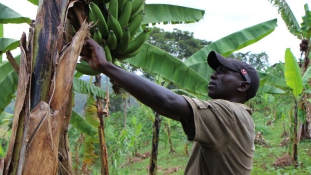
(222, 129)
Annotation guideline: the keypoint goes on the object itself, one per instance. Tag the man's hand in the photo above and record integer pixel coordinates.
(98, 58)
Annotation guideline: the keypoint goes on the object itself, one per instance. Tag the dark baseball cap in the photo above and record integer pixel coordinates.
(247, 71)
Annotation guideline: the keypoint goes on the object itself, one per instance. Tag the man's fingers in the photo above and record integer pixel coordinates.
(90, 61)
(90, 41)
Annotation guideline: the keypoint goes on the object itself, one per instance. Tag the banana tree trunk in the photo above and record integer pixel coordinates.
(64, 154)
(101, 132)
(306, 125)
(306, 106)
(294, 136)
(186, 149)
(40, 125)
(155, 145)
(125, 111)
(168, 130)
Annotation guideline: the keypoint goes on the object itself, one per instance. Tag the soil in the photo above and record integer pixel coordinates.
(283, 161)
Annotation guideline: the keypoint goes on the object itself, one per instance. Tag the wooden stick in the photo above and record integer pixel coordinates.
(11, 59)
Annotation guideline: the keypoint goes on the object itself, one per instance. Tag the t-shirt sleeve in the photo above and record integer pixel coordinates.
(212, 123)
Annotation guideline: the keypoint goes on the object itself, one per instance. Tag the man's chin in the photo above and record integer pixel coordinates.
(210, 95)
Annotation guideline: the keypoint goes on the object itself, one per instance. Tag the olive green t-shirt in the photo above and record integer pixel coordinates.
(223, 135)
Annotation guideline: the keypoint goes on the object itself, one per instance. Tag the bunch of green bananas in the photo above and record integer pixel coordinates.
(117, 23)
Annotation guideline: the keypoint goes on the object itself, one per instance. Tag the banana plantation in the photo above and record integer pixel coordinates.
(59, 116)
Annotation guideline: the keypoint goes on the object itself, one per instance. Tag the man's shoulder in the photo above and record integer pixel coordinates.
(218, 104)
(234, 106)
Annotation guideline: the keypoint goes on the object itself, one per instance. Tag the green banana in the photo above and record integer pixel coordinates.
(85, 68)
(137, 42)
(93, 33)
(98, 15)
(126, 13)
(125, 40)
(112, 40)
(107, 52)
(135, 24)
(97, 36)
(91, 15)
(92, 19)
(120, 6)
(113, 8)
(137, 6)
(128, 55)
(113, 24)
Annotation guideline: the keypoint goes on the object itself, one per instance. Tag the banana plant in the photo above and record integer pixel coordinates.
(288, 17)
(44, 75)
(296, 84)
(39, 94)
(294, 81)
(301, 31)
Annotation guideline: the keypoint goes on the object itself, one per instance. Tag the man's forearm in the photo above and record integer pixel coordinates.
(157, 97)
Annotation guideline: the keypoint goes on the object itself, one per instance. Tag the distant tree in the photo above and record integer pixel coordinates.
(276, 70)
(178, 43)
(257, 60)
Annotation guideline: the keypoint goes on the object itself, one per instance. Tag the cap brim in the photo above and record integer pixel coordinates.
(215, 60)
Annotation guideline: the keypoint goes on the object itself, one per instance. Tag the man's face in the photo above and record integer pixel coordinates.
(224, 84)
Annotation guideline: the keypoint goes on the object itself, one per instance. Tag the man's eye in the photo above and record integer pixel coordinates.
(221, 70)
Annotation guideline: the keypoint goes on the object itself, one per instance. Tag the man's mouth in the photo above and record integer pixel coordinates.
(212, 83)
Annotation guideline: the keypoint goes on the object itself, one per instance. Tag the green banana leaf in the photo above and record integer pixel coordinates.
(292, 73)
(87, 88)
(5, 68)
(288, 17)
(306, 22)
(270, 90)
(266, 78)
(5, 118)
(8, 44)
(34, 2)
(157, 13)
(227, 45)
(8, 86)
(1, 30)
(8, 83)
(82, 125)
(90, 112)
(78, 74)
(153, 59)
(1, 35)
(7, 15)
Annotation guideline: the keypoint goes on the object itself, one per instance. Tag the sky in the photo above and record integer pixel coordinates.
(222, 17)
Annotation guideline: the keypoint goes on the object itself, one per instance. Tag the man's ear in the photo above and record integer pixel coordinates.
(244, 86)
